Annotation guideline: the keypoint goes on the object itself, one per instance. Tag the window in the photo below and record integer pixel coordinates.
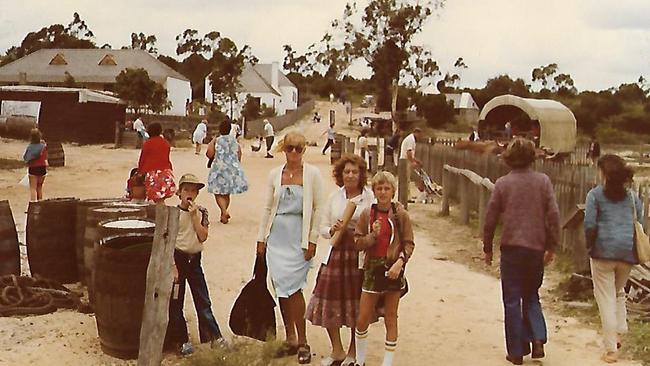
(108, 60)
(58, 59)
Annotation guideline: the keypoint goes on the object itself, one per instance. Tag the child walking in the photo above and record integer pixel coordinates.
(192, 233)
(384, 232)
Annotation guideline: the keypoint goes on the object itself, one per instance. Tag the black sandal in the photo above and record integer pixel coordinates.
(304, 354)
(286, 349)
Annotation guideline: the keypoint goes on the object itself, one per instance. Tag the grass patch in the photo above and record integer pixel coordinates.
(11, 163)
(239, 353)
(638, 341)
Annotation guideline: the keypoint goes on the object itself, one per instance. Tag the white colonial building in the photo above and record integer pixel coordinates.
(267, 84)
(95, 69)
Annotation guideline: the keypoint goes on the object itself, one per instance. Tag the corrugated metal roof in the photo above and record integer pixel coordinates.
(257, 79)
(85, 95)
(83, 65)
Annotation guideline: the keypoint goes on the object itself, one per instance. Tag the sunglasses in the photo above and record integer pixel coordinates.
(291, 148)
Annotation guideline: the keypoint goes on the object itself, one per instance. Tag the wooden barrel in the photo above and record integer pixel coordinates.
(130, 139)
(82, 208)
(51, 239)
(149, 207)
(126, 225)
(95, 215)
(120, 289)
(55, 154)
(9, 250)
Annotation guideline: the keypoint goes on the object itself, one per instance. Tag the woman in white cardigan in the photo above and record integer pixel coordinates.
(288, 234)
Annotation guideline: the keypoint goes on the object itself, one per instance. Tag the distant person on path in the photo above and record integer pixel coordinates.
(335, 300)
(525, 202)
(508, 130)
(316, 117)
(594, 151)
(385, 234)
(200, 132)
(138, 126)
(269, 136)
(235, 130)
(192, 233)
(407, 151)
(474, 135)
(36, 159)
(226, 175)
(363, 144)
(392, 146)
(330, 137)
(610, 211)
(155, 164)
(287, 238)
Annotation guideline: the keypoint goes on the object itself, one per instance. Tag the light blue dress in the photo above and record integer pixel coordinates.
(284, 254)
(226, 175)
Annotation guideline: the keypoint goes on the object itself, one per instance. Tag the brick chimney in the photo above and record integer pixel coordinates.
(275, 75)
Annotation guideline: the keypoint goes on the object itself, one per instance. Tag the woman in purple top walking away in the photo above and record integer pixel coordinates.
(525, 202)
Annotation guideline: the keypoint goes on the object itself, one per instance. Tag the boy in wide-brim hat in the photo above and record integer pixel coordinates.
(192, 233)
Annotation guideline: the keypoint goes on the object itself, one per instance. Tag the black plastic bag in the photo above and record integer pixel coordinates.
(253, 313)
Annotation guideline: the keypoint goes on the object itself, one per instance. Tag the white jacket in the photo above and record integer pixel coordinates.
(335, 208)
(312, 203)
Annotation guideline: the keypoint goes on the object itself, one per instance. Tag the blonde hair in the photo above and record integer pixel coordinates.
(294, 139)
(383, 177)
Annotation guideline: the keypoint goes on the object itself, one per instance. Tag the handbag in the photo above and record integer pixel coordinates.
(641, 240)
(253, 313)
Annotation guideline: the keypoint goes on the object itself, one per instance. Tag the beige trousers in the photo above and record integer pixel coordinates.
(609, 278)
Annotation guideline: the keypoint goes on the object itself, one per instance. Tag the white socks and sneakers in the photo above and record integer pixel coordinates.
(362, 343)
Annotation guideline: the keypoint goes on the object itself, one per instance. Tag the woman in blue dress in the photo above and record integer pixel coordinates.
(226, 176)
(287, 238)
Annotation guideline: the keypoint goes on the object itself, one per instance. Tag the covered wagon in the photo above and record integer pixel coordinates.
(548, 122)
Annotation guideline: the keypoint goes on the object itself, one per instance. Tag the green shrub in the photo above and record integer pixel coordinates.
(610, 135)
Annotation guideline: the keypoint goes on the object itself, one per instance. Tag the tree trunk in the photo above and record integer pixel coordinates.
(393, 103)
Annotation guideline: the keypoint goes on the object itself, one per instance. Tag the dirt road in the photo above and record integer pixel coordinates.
(452, 315)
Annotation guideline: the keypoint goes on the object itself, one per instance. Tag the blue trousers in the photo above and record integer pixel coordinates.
(189, 270)
(522, 273)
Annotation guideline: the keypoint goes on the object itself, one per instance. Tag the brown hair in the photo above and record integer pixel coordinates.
(617, 176)
(520, 153)
(337, 171)
(35, 136)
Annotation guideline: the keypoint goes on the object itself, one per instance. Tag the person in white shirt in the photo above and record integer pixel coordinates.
(269, 136)
(235, 130)
(200, 132)
(407, 151)
(139, 127)
(363, 144)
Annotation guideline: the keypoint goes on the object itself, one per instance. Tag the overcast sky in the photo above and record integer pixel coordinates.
(600, 43)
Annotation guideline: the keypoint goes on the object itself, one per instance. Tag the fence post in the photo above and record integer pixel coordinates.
(464, 199)
(445, 192)
(482, 207)
(403, 182)
(155, 315)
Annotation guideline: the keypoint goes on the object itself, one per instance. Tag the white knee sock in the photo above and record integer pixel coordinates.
(362, 342)
(389, 353)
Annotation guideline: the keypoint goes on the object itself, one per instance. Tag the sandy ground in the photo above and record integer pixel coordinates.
(452, 315)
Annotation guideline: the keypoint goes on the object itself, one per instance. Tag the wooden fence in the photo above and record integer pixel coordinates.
(467, 178)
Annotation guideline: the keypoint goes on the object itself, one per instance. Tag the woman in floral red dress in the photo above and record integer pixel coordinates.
(154, 162)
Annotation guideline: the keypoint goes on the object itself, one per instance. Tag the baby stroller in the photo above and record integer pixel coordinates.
(430, 188)
(257, 147)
